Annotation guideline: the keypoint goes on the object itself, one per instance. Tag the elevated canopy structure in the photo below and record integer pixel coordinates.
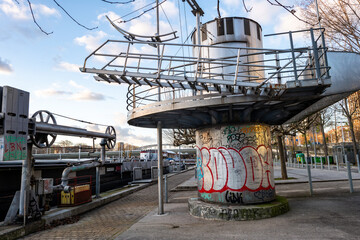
(198, 89)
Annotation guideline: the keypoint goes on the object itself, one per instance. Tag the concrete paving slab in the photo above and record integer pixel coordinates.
(320, 217)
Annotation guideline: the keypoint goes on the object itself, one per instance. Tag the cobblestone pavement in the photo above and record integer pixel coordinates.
(112, 219)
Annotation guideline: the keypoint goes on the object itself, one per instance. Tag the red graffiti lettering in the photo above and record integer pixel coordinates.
(221, 169)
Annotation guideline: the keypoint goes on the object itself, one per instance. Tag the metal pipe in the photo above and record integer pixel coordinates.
(68, 170)
(160, 169)
(102, 161)
(357, 161)
(70, 131)
(328, 162)
(25, 183)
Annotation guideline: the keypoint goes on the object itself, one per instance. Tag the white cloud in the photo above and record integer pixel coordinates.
(41, 9)
(16, 11)
(5, 67)
(113, 16)
(21, 11)
(78, 93)
(51, 92)
(231, 3)
(88, 95)
(143, 26)
(263, 12)
(171, 10)
(287, 22)
(69, 67)
(91, 41)
(75, 85)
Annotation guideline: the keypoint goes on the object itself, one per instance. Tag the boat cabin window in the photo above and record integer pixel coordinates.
(220, 27)
(247, 27)
(229, 26)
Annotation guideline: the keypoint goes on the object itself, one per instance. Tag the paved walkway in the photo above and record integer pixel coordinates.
(112, 219)
(331, 213)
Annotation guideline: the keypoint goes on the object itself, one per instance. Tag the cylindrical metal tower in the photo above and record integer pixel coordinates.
(233, 32)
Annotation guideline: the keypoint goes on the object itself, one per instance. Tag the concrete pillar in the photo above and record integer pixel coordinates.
(234, 164)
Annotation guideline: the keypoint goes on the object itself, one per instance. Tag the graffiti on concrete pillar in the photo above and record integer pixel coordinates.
(234, 164)
(227, 169)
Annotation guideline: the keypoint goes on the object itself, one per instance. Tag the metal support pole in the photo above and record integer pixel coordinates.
(97, 185)
(349, 174)
(337, 163)
(166, 189)
(79, 152)
(25, 183)
(160, 169)
(197, 14)
(357, 162)
(328, 161)
(309, 175)
(103, 154)
(315, 152)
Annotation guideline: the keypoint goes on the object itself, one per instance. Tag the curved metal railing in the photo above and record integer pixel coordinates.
(167, 71)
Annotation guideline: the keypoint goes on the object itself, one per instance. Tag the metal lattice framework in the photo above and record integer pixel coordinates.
(179, 75)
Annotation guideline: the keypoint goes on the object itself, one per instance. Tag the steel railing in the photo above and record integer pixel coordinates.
(200, 70)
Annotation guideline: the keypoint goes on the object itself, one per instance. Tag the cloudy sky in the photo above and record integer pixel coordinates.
(47, 66)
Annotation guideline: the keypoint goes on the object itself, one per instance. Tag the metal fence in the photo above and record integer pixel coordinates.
(158, 71)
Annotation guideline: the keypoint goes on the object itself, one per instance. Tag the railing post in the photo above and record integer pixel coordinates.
(337, 163)
(126, 58)
(293, 59)
(237, 67)
(349, 174)
(277, 61)
(325, 55)
(316, 57)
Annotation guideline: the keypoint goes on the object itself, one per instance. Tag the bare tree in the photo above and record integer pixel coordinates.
(349, 113)
(280, 132)
(303, 128)
(323, 120)
(340, 18)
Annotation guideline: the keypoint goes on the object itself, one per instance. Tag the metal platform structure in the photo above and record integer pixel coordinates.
(229, 89)
(183, 89)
